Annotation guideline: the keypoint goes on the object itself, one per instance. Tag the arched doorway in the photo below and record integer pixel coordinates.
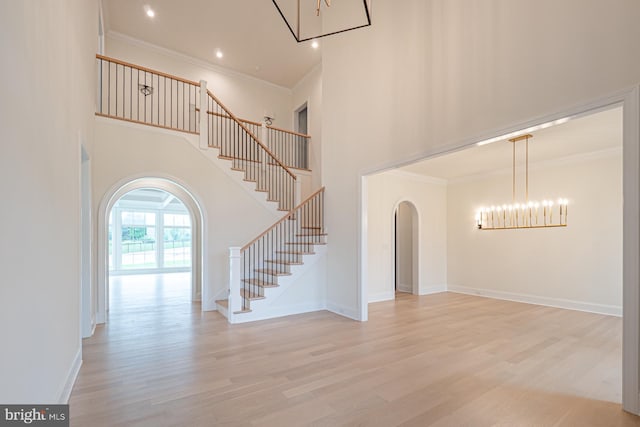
(406, 248)
(196, 250)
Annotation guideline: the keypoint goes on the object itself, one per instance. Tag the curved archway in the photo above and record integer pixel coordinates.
(406, 248)
(198, 288)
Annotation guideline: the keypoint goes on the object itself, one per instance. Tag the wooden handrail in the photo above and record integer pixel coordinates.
(281, 220)
(251, 122)
(289, 131)
(148, 70)
(235, 119)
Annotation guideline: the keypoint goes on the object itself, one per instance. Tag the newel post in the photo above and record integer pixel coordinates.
(204, 117)
(297, 197)
(235, 299)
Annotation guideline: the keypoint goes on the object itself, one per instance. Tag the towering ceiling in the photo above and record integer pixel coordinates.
(250, 33)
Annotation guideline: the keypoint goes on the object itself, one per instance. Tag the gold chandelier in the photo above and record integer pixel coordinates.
(527, 214)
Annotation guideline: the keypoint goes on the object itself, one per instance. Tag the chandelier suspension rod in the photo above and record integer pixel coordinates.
(513, 198)
(527, 169)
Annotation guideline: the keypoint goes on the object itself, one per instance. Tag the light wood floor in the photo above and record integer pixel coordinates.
(440, 360)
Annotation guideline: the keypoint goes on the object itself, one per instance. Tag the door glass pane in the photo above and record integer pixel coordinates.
(177, 246)
(138, 247)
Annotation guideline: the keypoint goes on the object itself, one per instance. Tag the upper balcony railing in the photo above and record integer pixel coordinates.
(140, 95)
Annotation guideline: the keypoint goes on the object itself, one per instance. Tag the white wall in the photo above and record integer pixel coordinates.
(246, 97)
(46, 110)
(384, 192)
(232, 216)
(434, 75)
(309, 90)
(578, 266)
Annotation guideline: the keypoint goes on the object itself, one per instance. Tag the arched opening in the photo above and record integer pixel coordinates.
(406, 247)
(149, 225)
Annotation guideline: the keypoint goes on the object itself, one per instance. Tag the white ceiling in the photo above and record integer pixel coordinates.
(149, 198)
(592, 133)
(253, 37)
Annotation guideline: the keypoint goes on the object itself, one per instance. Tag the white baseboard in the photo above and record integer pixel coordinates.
(433, 289)
(610, 310)
(343, 311)
(275, 312)
(382, 296)
(65, 391)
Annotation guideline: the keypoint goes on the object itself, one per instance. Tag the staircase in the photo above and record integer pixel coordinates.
(265, 268)
(262, 269)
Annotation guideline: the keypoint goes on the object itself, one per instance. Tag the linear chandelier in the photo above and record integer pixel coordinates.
(528, 214)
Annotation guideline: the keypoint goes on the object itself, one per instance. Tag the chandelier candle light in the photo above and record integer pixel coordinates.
(529, 214)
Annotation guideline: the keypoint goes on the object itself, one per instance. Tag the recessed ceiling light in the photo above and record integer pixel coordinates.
(219, 54)
(315, 44)
(150, 13)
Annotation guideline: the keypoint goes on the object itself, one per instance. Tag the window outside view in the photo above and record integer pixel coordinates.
(149, 230)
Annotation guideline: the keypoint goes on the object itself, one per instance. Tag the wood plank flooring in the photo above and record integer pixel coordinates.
(438, 360)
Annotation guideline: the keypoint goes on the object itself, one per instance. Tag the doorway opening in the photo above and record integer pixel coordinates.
(149, 232)
(585, 163)
(406, 247)
(149, 236)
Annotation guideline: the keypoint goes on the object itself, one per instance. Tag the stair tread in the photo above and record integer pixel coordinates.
(296, 252)
(250, 295)
(225, 304)
(261, 283)
(311, 234)
(272, 272)
(308, 227)
(306, 243)
(279, 261)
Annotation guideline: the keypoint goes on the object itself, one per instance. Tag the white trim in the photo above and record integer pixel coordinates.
(178, 56)
(276, 312)
(609, 310)
(417, 243)
(418, 177)
(382, 296)
(433, 289)
(363, 253)
(545, 164)
(344, 311)
(65, 391)
(190, 199)
(631, 253)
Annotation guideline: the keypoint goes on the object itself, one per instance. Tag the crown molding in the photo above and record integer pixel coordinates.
(114, 35)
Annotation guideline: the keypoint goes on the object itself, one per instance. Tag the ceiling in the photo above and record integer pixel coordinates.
(588, 134)
(250, 33)
(149, 198)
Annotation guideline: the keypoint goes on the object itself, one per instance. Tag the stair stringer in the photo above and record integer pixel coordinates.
(284, 300)
(211, 153)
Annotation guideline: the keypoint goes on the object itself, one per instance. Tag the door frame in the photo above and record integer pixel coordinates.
(199, 290)
(630, 101)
